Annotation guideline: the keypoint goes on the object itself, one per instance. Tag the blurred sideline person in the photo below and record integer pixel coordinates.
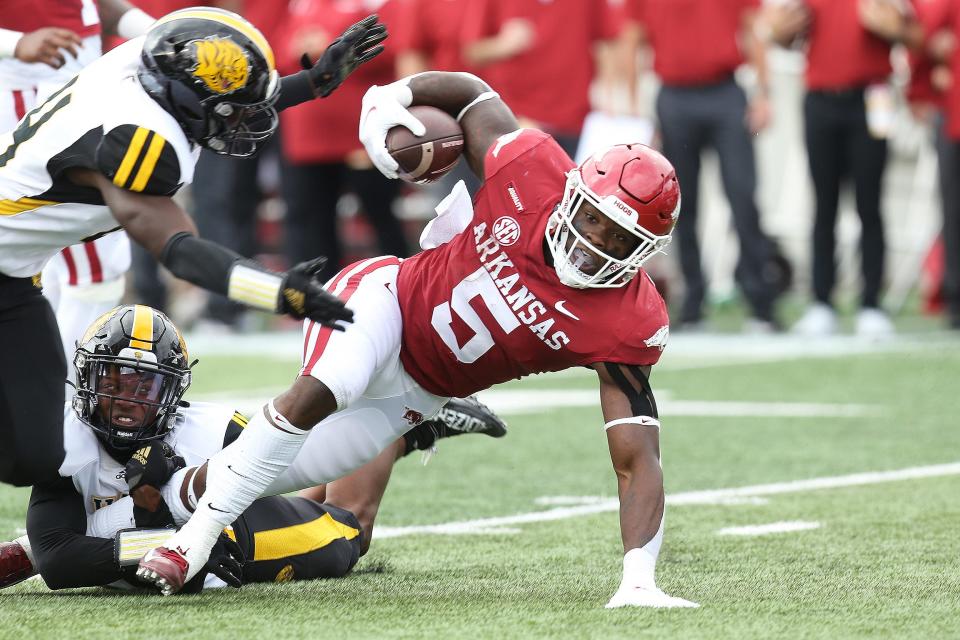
(322, 163)
(127, 430)
(427, 37)
(542, 272)
(541, 57)
(78, 167)
(54, 40)
(941, 22)
(846, 109)
(700, 105)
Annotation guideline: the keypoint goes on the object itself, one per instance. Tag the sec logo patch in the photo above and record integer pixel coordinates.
(506, 230)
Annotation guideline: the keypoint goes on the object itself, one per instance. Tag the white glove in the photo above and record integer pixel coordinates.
(629, 596)
(383, 108)
(638, 589)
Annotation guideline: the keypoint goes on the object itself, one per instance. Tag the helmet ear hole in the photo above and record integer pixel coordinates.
(188, 109)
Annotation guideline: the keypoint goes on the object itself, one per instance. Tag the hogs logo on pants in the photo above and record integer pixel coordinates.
(412, 417)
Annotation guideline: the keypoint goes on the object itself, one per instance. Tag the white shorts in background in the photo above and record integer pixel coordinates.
(378, 401)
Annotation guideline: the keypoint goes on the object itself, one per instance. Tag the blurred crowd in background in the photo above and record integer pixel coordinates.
(772, 113)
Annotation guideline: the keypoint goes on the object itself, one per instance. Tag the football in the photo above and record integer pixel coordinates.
(429, 157)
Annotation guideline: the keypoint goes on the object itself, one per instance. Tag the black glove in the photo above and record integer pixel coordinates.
(302, 296)
(226, 562)
(358, 44)
(152, 466)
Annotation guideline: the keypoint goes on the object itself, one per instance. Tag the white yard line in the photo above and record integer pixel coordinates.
(517, 402)
(593, 505)
(684, 350)
(767, 529)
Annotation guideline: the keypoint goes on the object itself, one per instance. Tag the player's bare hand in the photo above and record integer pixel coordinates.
(882, 17)
(759, 113)
(302, 296)
(358, 44)
(786, 21)
(47, 45)
(516, 36)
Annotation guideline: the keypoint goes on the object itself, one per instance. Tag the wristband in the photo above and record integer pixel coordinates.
(8, 42)
(254, 287)
(134, 23)
(130, 545)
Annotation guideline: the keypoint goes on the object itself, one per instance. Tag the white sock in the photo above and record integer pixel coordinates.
(639, 565)
(236, 476)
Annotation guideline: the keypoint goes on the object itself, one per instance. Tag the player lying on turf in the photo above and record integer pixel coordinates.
(545, 274)
(128, 431)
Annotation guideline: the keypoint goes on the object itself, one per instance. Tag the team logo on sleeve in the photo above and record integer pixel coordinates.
(506, 230)
(221, 64)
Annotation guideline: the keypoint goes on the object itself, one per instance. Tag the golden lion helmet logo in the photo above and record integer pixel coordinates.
(221, 64)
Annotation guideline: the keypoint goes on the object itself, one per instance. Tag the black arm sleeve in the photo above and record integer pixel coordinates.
(294, 89)
(198, 261)
(56, 524)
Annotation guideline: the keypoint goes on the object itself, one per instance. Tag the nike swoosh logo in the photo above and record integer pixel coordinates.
(216, 509)
(230, 466)
(562, 309)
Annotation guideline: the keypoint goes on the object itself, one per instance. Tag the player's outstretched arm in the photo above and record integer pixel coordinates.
(482, 115)
(65, 556)
(359, 44)
(633, 436)
(164, 229)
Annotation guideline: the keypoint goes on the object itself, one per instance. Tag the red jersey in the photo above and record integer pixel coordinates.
(842, 54)
(432, 28)
(672, 26)
(487, 307)
(550, 82)
(326, 130)
(80, 16)
(932, 15)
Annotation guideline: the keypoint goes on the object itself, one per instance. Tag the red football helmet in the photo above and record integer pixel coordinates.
(635, 187)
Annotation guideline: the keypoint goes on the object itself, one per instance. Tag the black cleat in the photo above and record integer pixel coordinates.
(457, 417)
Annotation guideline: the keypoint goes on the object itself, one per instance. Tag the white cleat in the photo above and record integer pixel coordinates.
(818, 321)
(639, 597)
(874, 324)
(164, 568)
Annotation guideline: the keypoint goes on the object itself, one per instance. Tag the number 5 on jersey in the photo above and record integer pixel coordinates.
(479, 283)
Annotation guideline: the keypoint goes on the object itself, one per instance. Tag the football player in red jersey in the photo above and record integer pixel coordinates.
(542, 273)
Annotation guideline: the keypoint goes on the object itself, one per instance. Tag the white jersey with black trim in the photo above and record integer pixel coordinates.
(102, 120)
(198, 433)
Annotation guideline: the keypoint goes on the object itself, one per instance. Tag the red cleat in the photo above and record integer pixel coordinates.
(15, 565)
(164, 568)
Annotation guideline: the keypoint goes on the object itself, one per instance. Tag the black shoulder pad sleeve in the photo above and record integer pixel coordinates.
(138, 159)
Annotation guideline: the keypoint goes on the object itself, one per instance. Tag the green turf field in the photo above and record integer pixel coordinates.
(881, 556)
